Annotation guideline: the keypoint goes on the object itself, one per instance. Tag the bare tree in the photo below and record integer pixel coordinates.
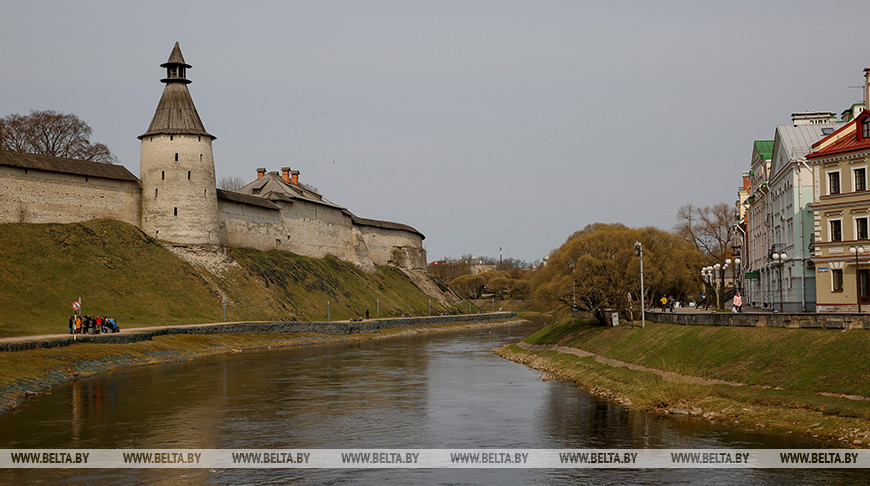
(49, 132)
(710, 229)
(233, 183)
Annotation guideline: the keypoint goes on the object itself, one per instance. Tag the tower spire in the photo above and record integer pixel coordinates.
(176, 68)
(176, 113)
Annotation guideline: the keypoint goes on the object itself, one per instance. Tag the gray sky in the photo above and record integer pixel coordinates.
(481, 124)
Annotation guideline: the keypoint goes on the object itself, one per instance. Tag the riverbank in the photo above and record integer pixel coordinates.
(34, 371)
(806, 382)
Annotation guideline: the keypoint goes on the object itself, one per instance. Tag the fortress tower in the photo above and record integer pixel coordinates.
(179, 200)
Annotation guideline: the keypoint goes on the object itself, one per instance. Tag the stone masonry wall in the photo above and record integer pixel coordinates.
(316, 231)
(247, 226)
(34, 196)
(399, 247)
(764, 319)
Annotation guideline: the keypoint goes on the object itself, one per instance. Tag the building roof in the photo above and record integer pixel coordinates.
(246, 199)
(794, 142)
(176, 113)
(49, 163)
(764, 148)
(844, 140)
(272, 187)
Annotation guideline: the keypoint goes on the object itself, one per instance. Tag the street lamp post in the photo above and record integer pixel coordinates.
(857, 250)
(708, 274)
(638, 250)
(779, 261)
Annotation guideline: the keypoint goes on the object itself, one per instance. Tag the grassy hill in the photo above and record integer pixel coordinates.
(120, 272)
(810, 381)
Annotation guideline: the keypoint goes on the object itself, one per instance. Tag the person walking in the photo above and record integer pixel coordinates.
(703, 302)
(738, 302)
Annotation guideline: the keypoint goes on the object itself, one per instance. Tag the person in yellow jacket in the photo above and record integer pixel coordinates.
(78, 325)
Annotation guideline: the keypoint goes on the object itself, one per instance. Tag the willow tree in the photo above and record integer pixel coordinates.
(595, 270)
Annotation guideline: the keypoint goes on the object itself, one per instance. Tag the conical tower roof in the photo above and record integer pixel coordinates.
(176, 113)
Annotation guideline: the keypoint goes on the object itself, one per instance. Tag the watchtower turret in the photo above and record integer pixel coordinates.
(179, 200)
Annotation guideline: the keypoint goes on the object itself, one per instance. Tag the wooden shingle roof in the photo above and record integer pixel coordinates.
(66, 166)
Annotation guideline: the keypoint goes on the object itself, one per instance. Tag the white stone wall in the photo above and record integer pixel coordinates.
(35, 196)
(397, 247)
(317, 231)
(179, 200)
(248, 226)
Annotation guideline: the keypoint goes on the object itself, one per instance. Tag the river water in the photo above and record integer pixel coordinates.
(429, 391)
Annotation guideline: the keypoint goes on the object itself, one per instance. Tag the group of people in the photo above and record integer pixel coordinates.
(668, 302)
(92, 325)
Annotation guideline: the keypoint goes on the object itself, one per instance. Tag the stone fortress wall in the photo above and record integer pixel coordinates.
(31, 195)
(177, 201)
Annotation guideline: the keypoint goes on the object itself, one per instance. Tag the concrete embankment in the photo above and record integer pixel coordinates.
(293, 327)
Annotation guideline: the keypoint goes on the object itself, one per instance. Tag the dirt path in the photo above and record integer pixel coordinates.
(668, 376)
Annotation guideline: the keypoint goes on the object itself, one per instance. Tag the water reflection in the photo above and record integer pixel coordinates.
(436, 391)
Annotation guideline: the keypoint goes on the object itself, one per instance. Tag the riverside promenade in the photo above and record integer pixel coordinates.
(20, 343)
(752, 317)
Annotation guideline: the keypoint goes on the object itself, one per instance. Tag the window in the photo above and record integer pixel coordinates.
(188, 175)
(837, 280)
(175, 211)
(860, 176)
(162, 175)
(176, 159)
(865, 129)
(833, 181)
(836, 230)
(861, 228)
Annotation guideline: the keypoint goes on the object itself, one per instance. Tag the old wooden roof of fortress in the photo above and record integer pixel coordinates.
(49, 163)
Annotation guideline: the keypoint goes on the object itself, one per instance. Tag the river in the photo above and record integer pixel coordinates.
(429, 391)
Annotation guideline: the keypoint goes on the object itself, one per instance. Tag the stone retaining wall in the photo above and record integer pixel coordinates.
(293, 327)
(764, 319)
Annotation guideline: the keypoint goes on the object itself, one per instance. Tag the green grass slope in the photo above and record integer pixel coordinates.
(120, 272)
(114, 267)
(797, 359)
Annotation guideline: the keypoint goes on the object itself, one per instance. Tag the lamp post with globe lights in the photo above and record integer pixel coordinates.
(857, 250)
(778, 261)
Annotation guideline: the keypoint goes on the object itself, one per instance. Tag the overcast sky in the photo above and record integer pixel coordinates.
(482, 124)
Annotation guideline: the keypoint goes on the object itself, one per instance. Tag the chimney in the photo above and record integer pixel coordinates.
(294, 177)
(285, 174)
(261, 172)
(746, 185)
(867, 88)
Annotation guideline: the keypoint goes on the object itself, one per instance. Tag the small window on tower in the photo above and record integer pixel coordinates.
(162, 175)
(176, 156)
(188, 175)
(155, 193)
(171, 138)
(175, 211)
(200, 157)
